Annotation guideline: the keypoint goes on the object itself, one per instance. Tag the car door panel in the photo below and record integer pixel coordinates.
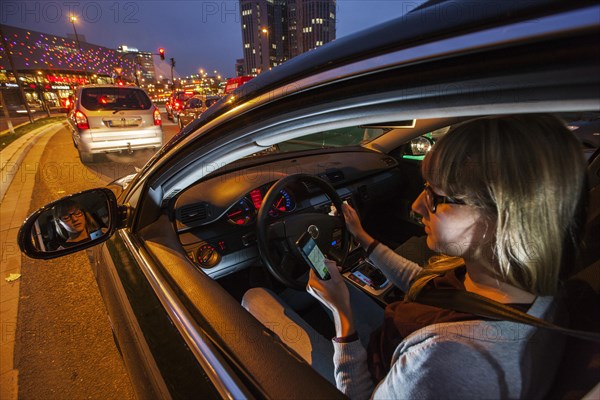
(152, 348)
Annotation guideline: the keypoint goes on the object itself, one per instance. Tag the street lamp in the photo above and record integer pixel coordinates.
(73, 19)
(264, 50)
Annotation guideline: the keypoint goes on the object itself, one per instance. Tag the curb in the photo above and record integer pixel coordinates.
(35, 118)
(7, 131)
(12, 157)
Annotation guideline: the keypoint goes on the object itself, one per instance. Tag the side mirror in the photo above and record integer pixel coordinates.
(421, 145)
(71, 224)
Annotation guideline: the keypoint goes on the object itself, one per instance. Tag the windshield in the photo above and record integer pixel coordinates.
(339, 137)
(109, 98)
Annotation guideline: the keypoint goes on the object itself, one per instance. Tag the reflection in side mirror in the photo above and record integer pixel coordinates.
(70, 224)
(420, 146)
(417, 148)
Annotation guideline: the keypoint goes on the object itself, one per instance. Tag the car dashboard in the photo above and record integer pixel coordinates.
(216, 218)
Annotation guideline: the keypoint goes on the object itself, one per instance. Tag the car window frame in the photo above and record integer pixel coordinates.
(210, 132)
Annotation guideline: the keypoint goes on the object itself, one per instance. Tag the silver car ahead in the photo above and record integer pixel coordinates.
(110, 118)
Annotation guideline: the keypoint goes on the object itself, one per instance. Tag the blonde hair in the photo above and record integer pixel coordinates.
(526, 174)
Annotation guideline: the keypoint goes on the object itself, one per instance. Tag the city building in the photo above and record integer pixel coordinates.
(312, 24)
(259, 38)
(149, 72)
(144, 62)
(274, 31)
(51, 67)
(239, 67)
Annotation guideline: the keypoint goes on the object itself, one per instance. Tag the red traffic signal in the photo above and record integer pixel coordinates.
(161, 53)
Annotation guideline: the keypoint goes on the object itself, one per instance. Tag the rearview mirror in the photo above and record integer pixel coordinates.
(73, 223)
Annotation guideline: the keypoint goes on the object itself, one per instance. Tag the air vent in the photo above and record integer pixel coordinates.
(334, 176)
(389, 161)
(189, 215)
(310, 187)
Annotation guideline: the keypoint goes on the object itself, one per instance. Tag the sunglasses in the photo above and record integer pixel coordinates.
(71, 216)
(432, 199)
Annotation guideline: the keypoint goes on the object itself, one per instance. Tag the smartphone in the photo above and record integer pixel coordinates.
(313, 255)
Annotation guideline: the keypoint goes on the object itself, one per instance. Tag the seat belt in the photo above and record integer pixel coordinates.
(472, 303)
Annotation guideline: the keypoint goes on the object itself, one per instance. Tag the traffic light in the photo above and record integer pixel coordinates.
(161, 52)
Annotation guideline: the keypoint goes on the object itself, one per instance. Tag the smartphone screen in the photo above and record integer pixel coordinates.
(313, 255)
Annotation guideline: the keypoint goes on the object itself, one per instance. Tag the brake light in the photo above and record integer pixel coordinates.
(81, 120)
(157, 118)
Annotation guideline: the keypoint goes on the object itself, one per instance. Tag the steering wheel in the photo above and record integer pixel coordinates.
(277, 237)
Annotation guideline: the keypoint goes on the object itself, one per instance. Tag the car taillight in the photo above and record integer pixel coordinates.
(81, 120)
(157, 119)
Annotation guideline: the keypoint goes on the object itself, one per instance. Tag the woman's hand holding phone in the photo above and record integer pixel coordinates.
(333, 294)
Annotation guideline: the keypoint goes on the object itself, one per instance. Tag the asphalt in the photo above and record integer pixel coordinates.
(19, 163)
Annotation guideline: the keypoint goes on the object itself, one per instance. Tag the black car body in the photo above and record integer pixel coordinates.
(179, 256)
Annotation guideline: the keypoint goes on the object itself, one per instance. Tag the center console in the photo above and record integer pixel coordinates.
(367, 277)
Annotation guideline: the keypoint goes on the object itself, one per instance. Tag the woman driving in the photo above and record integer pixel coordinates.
(503, 207)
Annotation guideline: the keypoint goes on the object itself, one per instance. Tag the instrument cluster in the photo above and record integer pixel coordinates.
(246, 209)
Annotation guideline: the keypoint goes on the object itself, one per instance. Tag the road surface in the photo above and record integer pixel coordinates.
(64, 345)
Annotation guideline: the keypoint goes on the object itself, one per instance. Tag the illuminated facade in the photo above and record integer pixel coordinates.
(51, 67)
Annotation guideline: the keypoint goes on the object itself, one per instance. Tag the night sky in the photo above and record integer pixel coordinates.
(198, 34)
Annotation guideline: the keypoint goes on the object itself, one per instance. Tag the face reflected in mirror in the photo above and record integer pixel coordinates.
(71, 221)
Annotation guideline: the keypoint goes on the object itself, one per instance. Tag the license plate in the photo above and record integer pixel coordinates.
(121, 123)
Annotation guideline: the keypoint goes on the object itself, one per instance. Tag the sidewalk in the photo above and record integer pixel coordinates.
(23, 120)
(19, 163)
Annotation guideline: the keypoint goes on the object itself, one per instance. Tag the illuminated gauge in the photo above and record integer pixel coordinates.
(284, 202)
(241, 213)
(207, 256)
